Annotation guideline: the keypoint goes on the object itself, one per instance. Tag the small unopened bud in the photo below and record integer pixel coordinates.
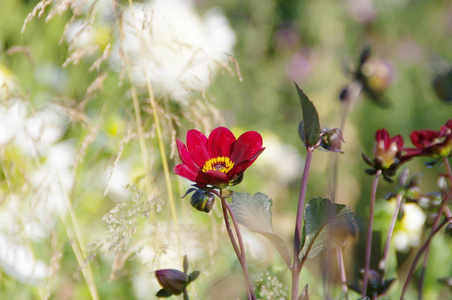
(331, 140)
(172, 281)
(202, 201)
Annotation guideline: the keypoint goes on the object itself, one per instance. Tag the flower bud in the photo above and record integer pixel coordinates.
(172, 281)
(331, 140)
(202, 201)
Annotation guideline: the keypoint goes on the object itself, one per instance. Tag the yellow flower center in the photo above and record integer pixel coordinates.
(386, 156)
(221, 164)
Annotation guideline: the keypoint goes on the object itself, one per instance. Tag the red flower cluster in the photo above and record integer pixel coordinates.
(436, 144)
(388, 151)
(219, 160)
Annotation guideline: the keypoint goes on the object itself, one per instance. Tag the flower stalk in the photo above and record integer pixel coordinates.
(369, 233)
(296, 265)
(239, 247)
(384, 260)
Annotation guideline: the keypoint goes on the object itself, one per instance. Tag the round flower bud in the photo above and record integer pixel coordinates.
(331, 140)
(202, 201)
(172, 281)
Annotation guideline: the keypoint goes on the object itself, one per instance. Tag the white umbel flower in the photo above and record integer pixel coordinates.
(178, 51)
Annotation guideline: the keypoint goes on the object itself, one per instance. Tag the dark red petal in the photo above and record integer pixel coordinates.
(410, 152)
(398, 139)
(212, 177)
(185, 156)
(220, 142)
(414, 136)
(186, 172)
(425, 137)
(197, 147)
(246, 146)
(383, 135)
(242, 166)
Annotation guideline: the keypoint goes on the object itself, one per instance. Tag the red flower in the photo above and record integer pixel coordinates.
(219, 160)
(436, 144)
(387, 154)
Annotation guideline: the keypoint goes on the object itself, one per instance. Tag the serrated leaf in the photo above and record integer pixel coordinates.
(309, 129)
(254, 212)
(325, 224)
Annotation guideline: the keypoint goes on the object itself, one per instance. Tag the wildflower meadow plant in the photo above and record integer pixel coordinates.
(125, 153)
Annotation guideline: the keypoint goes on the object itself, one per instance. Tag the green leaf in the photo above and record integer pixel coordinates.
(254, 212)
(325, 224)
(309, 129)
(163, 294)
(193, 275)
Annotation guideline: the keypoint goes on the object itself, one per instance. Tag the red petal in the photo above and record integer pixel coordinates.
(197, 147)
(242, 166)
(246, 146)
(383, 135)
(185, 157)
(212, 178)
(398, 139)
(423, 138)
(220, 142)
(186, 172)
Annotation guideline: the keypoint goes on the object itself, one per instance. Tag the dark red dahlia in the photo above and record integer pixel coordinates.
(436, 144)
(219, 160)
(387, 154)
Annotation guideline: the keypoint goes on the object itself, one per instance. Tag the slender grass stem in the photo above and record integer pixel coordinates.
(296, 266)
(77, 244)
(140, 129)
(369, 233)
(160, 140)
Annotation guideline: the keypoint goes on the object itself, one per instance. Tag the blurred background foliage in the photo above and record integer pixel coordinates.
(276, 43)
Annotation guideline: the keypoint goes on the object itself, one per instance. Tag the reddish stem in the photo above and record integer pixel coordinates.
(369, 233)
(296, 266)
(384, 260)
(239, 252)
